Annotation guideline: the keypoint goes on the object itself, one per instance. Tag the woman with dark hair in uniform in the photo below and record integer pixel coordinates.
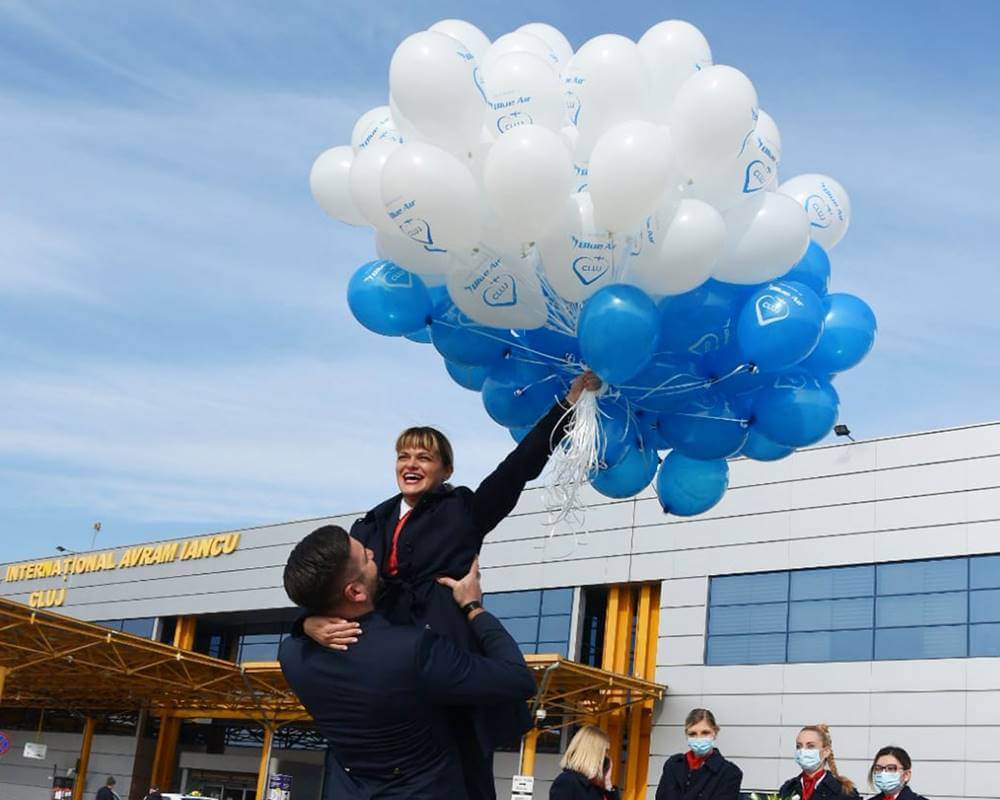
(890, 773)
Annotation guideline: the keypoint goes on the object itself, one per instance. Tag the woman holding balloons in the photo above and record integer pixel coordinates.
(431, 529)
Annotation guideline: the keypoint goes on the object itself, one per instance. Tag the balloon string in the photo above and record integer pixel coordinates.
(481, 332)
(743, 422)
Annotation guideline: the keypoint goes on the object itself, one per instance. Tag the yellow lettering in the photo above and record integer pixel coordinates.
(186, 551)
(203, 547)
(11, 573)
(232, 542)
(169, 553)
(217, 545)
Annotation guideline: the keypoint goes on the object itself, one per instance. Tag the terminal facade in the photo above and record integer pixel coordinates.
(854, 584)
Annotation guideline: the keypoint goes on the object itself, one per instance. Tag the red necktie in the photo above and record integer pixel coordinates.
(809, 783)
(393, 567)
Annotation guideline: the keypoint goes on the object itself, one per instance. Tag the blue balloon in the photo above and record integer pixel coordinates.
(796, 410)
(709, 427)
(848, 335)
(780, 325)
(689, 486)
(466, 376)
(459, 339)
(518, 434)
(617, 331)
(517, 394)
(629, 476)
(553, 343)
(666, 383)
(730, 372)
(813, 270)
(387, 299)
(619, 432)
(650, 431)
(760, 448)
(422, 336)
(700, 321)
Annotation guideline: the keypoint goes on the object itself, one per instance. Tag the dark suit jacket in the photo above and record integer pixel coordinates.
(570, 785)
(829, 788)
(717, 779)
(380, 704)
(905, 794)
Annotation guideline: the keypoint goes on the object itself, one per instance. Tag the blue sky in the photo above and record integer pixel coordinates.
(176, 354)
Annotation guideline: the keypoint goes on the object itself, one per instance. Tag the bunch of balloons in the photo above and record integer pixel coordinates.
(538, 211)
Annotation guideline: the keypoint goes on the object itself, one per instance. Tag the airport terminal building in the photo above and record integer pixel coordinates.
(855, 584)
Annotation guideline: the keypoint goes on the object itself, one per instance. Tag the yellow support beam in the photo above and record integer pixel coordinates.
(265, 761)
(639, 717)
(80, 781)
(3, 680)
(184, 632)
(170, 726)
(529, 747)
(617, 649)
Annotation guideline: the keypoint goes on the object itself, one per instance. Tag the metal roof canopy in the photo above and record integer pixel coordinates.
(53, 661)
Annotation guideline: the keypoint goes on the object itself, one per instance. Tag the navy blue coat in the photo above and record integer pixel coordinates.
(381, 705)
(570, 785)
(717, 779)
(906, 793)
(829, 788)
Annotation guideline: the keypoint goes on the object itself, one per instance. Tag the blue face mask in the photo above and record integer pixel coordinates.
(888, 782)
(809, 759)
(701, 747)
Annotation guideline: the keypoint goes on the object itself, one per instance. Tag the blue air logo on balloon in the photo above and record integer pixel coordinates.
(757, 176)
(390, 276)
(771, 309)
(418, 230)
(818, 210)
(515, 119)
(591, 268)
(572, 106)
(477, 78)
(454, 316)
(708, 343)
(380, 130)
(501, 292)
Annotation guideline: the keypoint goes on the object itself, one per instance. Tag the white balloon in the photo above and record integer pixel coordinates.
(412, 256)
(497, 290)
(712, 117)
(581, 171)
(827, 204)
(407, 129)
(432, 80)
(374, 126)
(527, 176)
(631, 167)
(475, 41)
(523, 90)
(329, 181)
(431, 196)
(727, 184)
(679, 256)
(672, 50)
(366, 184)
(764, 239)
(769, 134)
(553, 37)
(577, 257)
(605, 84)
(517, 43)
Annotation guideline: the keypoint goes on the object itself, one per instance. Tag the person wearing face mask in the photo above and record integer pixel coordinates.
(701, 773)
(586, 768)
(819, 779)
(890, 773)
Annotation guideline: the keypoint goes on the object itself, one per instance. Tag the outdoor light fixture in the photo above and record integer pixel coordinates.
(843, 430)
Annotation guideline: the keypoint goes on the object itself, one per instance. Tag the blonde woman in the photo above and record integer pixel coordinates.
(819, 779)
(700, 773)
(586, 768)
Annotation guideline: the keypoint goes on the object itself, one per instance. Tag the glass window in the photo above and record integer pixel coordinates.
(984, 640)
(557, 601)
(921, 609)
(523, 629)
(762, 588)
(831, 615)
(139, 627)
(984, 606)
(261, 651)
(559, 648)
(914, 577)
(554, 629)
(830, 646)
(984, 572)
(768, 648)
(820, 584)
(761, 618)
(943, 641)
(514, 604)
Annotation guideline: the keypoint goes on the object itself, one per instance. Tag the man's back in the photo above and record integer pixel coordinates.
(382, 704)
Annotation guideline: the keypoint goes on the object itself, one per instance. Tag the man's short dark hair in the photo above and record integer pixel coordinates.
(110, 781)
(315, 570)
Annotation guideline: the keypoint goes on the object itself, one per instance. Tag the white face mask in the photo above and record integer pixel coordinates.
(808, 758)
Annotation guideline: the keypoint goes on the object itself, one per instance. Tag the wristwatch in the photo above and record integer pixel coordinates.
(468, 608)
